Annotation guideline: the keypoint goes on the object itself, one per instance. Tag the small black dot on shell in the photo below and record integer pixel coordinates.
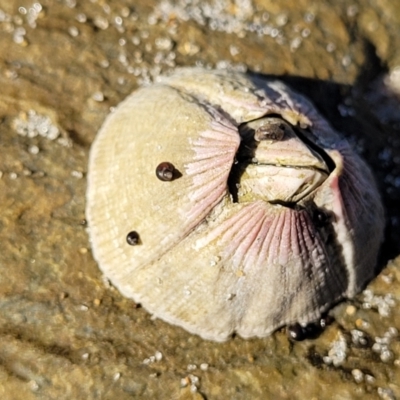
(165, 171)
(321, 218)
(132, 238)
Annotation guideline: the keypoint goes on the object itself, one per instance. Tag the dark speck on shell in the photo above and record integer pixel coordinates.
(165, 171)
(132, 238)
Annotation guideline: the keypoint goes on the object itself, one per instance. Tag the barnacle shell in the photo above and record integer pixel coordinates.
(270, 217)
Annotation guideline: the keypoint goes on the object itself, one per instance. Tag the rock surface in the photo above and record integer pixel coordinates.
(64, 332)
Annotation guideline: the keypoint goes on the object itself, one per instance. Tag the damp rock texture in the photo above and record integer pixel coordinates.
(65, 332)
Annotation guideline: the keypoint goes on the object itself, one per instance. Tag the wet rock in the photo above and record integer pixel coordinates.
(64, 331)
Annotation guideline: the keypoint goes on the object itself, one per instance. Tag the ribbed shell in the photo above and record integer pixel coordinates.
(205, 262)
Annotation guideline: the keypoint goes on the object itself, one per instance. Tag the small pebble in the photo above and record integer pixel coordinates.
(81, 17)
(351, 310)
(386, 394)
(98, 96)
(33, 149)
(73, 31)
(77, 174)
(96, 302)
(184, 382)
(116, 376)
(204, 366)
(369, 378)
(357, 375)
(338, 352)
(33, 385)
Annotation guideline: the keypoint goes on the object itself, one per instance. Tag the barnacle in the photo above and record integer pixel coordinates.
(266, 216)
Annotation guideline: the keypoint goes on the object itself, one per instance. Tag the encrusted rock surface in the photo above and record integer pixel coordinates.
(64, 332)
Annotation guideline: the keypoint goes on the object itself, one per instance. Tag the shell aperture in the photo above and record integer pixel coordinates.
(275, 164)
(273, 219)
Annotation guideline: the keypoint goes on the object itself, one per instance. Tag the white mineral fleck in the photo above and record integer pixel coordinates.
(330, 47)
(194, 380)
(357, 375)
(358, 337)
(149, 360)
(33, 14)
(346, 61)
(382, 303)
(352, 10)
(369, 378)
(19, 35)
(391, 332)
(33, 149)
(204, 366)
(338, 352)
(70, 3)
(98, 96)
(81, 17)
(393, 80)
(77, 174)
(184, 382)
(386, 355)
(309, 17)
(295, 43)
(101, 22)
(73, 31)
(164, 43)
(125, 12)
(387, 278)
(386, 393)
(135, 40)
(33, 385)
(31, 124)
(63, 141)
(193, 388)
(377, 347)
(116, 376)
(234, 50)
